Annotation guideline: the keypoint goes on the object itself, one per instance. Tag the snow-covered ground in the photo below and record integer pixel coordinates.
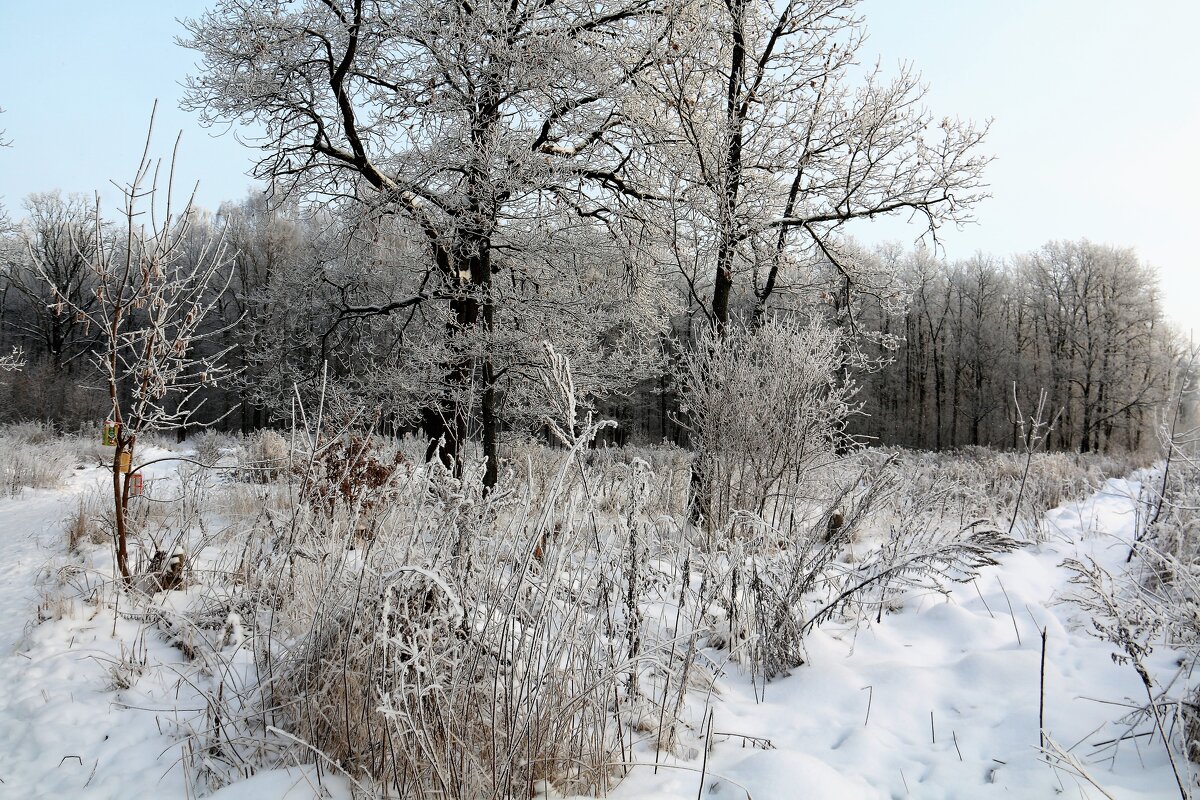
(940, 701)
(67, 729)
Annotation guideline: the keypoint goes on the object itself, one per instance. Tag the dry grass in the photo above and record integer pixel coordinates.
(985, 483)
(88, 524)
(264, 457)
(433, 642)
(33, 456)
(436, 643)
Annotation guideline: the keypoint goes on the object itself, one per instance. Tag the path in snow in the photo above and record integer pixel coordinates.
(65, 731)
(32, 538)
(952, 693)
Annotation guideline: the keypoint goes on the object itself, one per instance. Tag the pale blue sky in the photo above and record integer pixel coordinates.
(1096, 111)
(77, 81)
(1095, 105)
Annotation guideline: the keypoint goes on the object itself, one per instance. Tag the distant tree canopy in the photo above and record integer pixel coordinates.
(1082, 321)
(938, 348)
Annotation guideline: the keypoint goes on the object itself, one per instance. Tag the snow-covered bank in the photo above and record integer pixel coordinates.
(942, 699)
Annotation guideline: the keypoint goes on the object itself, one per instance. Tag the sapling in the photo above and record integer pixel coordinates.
(155, 285)
(766, 411)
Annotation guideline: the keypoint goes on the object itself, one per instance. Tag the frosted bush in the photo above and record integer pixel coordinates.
(211, 446)
(767, 410)
(264, 457)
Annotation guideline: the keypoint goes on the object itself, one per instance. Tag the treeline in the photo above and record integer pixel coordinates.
(981, 338)
(943, 354)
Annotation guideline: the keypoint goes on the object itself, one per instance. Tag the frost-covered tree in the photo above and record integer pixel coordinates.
(55, 230)
(57, 244)
(264, 243)
(776, 143)
(1100, 314)
(476, 124)
(151, 289)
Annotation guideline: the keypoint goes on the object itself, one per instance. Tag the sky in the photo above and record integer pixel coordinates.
(1094, 109)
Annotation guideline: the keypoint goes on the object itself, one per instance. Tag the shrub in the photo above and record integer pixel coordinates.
(264, 457)
(766, 409)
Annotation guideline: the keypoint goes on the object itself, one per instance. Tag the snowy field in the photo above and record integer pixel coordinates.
(104, 694)
(633, 399)
(942, 700)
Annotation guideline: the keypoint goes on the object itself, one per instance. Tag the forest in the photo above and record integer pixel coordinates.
(939, 355)
(616, 184)
(550, 421)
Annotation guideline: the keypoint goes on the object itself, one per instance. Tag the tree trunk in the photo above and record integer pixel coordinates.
(723, 280)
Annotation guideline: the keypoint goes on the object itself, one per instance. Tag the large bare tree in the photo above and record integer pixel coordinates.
(471, 121)
(780, 141)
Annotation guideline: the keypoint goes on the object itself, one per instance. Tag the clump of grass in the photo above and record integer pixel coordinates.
(264, 457)
(33, 456)
(211, 446)
(86, 525)
(980, 482)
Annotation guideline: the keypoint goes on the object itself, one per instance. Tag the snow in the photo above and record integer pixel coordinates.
(63, 732)
(941, 700)
(70, 727)
(292, 783)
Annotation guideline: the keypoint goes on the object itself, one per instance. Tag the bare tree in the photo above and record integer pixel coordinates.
(472, 122)
(1080, 320)
(778, 147)
(58, 246)
(150, 302)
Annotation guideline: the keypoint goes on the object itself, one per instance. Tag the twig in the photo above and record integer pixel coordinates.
(1042, 697)
(1072, 765)
(1010, 609)
(704, 763)
(975, 583)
